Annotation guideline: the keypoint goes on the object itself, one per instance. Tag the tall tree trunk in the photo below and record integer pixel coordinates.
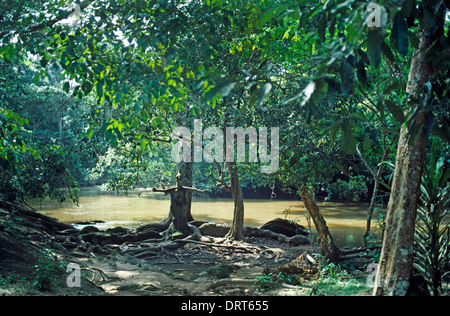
(185, 169)
(377, 180)
(371, 209)
(237, 229)
(396, 261)
(327, 246)
(185, 118)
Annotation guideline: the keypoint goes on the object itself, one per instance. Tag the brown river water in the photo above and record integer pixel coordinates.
(346, 221)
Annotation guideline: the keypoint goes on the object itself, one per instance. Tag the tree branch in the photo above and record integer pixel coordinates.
(64, 14)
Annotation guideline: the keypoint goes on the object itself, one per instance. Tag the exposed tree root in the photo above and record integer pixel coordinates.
(249, 282)
(94, 270)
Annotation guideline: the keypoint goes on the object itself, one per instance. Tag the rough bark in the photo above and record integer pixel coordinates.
(185, 169)
(396, 262)
(179, 208)
(237, 229)
(327, 246)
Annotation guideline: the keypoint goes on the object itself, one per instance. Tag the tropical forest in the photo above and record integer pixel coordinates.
(224, 148)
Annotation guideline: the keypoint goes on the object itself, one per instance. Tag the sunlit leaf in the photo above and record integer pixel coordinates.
(395, 110)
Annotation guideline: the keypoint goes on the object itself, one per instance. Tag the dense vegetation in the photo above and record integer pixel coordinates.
(90, 93)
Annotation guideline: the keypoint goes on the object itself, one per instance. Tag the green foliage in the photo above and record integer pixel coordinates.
(144, 67)
(432, 228)
(44, 271)
(265, 282)
(38, 177)
(351, 190)
(128, 167)
(337, 280)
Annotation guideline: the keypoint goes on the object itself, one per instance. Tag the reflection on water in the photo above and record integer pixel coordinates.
(346, 222)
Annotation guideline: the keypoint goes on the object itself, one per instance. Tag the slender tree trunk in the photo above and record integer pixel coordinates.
(371, 208)
(377, 179)
(327, 246)
(237, 229)
(396, 261)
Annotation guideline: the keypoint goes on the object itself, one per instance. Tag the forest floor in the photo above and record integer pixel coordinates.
(35, 252)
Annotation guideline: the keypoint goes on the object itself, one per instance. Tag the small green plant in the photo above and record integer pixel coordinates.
(266, 281)
(12, 278)
(432, 236)
(337, 280)
(45, 269)
(331, 270)
(263, 281)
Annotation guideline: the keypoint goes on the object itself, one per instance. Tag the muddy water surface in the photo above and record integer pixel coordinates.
(346, 221)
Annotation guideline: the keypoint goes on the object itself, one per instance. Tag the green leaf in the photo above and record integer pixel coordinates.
(347, 77)
(399, 34)
(331, 93)
(395, 110)
(89, 132)
(394, 86)
(334, 129)
(99, 87)
(387, 51)
(9, 52)
(44, 61)
(36, 78)
(443, 131)
(349, 139)
(374, 42)
(368, 142)
(321, 27)
(143, 144)
(305, 94)
(361, 73)
(259, 94)
(223, 89)
(66, 86)
(414, 131)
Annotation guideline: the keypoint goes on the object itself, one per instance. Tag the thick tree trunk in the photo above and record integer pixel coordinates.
(327, 246)
(237, 229)
(185, 118)
(396, 261)
(185, 169)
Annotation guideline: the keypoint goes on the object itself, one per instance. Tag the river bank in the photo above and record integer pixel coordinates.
(346, 221)
(37, 249)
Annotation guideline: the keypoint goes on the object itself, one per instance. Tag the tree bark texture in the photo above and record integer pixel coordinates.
(185, 169)
(327, 246)
(237, 229)
(396, 262)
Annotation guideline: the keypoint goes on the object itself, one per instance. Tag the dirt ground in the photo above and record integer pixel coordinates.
(35, 252)
(192, 269)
